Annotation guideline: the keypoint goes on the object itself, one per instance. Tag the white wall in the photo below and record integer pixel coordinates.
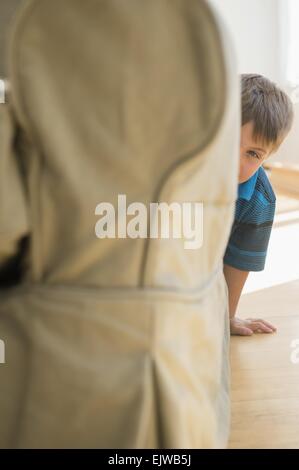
(253, 25)
(256, 29)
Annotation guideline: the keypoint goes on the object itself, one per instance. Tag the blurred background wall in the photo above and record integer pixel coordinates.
(265, 43)
(254, 28)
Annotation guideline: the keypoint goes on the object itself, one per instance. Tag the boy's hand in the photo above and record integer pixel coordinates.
(247, 327)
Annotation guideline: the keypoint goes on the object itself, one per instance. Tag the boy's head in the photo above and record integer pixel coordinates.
(267, 116)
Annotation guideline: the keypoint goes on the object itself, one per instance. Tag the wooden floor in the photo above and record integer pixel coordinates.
(265, 382)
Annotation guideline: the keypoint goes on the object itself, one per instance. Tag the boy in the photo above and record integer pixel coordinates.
(267, 116)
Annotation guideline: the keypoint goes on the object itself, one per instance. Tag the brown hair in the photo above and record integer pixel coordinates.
(269, 108)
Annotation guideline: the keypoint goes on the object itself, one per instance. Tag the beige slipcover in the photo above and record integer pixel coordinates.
(116, 342)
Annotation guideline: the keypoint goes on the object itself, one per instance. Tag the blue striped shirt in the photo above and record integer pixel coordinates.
(254, 214)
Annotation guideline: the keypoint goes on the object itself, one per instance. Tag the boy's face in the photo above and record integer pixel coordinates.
(252, 153)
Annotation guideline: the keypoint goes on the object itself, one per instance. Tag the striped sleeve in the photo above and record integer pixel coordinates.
(249, 238)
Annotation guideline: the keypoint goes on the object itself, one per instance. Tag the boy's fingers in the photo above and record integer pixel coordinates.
(269, 325)
(260, 327)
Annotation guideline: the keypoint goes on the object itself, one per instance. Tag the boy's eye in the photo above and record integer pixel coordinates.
(253, 154)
